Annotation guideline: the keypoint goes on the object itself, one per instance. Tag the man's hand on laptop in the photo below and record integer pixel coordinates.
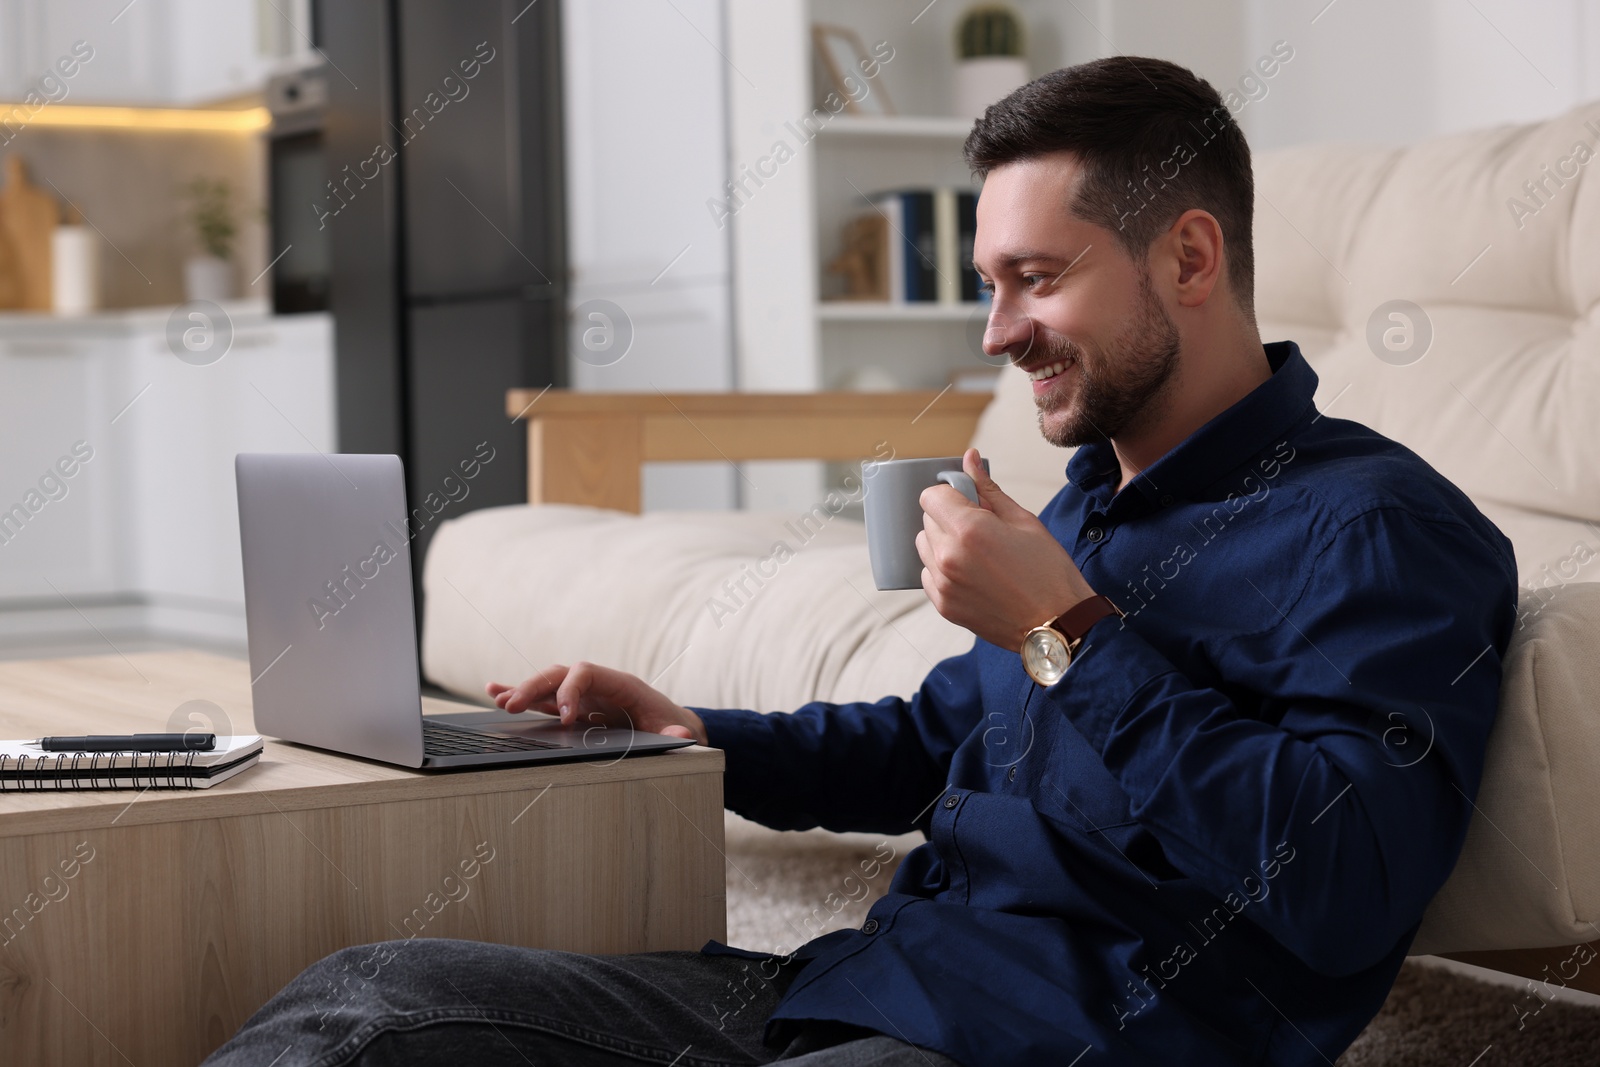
(994, 569)
(586, 694)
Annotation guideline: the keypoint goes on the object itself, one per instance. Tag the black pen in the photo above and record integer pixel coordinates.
(131, 743)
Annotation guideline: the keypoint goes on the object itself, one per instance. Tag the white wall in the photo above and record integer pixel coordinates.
(776, 339)
(773, 238)
(646, 146)
(1377, 71)
(1210, 37)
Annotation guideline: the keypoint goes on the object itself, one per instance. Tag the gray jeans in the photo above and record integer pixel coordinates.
(428, 1001)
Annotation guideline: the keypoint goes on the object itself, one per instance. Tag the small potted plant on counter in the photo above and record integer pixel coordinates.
(209, 276)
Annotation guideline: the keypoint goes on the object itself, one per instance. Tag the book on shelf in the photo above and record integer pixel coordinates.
(928, 245)
(966, 235)
(947, 245)
(910, 254)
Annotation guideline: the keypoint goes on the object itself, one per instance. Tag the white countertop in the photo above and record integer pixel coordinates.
(120, 322)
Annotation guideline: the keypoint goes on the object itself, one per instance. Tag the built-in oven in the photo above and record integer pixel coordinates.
(297, 177)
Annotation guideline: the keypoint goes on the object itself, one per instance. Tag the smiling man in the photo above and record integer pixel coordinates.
(1213, 749)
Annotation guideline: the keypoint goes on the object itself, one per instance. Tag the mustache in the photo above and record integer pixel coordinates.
(1052, 348)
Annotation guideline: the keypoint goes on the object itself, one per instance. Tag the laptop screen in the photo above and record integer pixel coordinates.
(328, 602)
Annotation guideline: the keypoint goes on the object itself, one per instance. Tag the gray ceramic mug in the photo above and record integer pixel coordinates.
(894, 513)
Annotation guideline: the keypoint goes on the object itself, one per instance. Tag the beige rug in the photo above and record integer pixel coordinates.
(786, 888)
(1434, 1018)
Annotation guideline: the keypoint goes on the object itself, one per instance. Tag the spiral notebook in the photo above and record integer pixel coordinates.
(24, 765)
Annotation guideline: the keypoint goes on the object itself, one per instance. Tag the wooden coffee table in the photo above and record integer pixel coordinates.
(144, 927)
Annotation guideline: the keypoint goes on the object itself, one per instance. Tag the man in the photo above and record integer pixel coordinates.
(1211, 838)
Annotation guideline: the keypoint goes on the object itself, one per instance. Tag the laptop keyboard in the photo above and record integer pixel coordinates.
(439, 739)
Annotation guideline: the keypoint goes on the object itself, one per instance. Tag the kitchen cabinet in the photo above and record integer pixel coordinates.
(58, 529)
(145, 533)
(163, 52)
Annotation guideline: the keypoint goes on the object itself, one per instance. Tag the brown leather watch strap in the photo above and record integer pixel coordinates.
(1076, 620)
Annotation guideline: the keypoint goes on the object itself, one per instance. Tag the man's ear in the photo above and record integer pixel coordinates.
(1195, 246)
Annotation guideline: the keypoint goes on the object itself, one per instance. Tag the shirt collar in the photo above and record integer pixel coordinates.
(1221, 445)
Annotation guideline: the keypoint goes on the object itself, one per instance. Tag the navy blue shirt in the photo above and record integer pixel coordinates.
(1213, 840)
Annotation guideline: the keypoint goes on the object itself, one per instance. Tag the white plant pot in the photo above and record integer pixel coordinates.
(208, 278)
(983, 80)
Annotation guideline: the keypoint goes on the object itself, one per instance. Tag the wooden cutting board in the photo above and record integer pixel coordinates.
(28, 216)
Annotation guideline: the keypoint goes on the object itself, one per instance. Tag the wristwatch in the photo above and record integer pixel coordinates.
(1047, 650)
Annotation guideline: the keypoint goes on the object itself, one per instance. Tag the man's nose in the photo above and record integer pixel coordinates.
(1007, 334)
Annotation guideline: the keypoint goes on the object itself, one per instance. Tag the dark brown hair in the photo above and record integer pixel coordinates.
(1154, 141)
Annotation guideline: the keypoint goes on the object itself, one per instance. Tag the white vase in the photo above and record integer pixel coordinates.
(208, 278)
(74, 270)
(982, 80)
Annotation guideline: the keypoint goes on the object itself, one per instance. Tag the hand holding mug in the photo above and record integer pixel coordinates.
(992, 566)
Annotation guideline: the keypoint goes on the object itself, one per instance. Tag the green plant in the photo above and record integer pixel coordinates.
(989, 30)
(211, 215)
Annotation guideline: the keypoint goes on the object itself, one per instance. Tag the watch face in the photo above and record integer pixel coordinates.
(1045, 655)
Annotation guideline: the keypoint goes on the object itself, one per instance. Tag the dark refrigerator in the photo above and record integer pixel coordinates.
(448, 284)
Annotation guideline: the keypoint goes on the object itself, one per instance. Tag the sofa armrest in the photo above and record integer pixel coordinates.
(586, 448)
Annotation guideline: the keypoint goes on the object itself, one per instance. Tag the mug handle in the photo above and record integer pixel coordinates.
(961, 482)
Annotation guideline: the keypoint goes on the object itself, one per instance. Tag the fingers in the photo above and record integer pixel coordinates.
(546, 706)
(941, 504)
(597, 684)
(572, 688)
(597, 694)
(994, 498)
(972, 463)
(499, 692)
(932, 590)
(946, 504)
(930, 560)
(534, 694)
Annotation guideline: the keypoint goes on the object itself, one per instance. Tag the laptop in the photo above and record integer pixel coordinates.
(332, 627)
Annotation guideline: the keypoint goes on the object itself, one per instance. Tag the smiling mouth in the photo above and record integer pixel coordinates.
(1050, 370)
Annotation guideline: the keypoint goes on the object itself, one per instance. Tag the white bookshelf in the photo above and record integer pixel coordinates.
(788, 335)
(876, 311)
(916, 127)
(849, 168)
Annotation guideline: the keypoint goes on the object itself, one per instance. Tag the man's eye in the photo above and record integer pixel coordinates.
(986, 287)
(1031, 280)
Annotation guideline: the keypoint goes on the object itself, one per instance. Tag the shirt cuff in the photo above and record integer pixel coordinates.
(1113, 665)
(748, 740)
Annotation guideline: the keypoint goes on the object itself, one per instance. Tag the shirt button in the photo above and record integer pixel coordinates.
(952, 800)
(1096, 534)
(1166, 501)
(1011, 775)
(870, 926)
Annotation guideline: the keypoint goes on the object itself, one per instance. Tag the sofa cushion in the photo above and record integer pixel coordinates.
(1529, 874)
(1502, 401)
(746, 609)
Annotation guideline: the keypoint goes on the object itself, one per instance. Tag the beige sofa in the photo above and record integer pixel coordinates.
(1493, 236)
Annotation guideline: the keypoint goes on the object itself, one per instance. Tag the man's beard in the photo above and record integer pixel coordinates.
(1115, 386)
